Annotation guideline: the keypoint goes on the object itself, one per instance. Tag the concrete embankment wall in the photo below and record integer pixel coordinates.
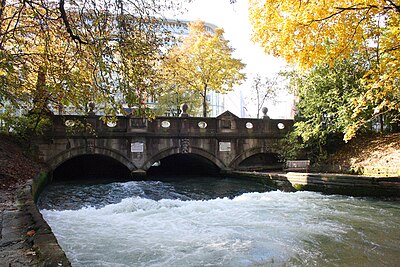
(371, 171)
(43, 240)
(343, 184)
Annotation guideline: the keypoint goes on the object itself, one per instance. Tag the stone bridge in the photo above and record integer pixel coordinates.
(224, 143)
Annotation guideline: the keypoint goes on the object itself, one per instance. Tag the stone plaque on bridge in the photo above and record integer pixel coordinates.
(224, 146)
(137, 147)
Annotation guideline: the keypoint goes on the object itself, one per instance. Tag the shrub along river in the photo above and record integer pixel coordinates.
(208, 221)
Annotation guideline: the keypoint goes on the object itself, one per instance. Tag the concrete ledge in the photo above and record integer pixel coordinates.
(342, 184)
(371, 171)
(354, 185)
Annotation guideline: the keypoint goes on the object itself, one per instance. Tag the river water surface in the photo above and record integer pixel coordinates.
(218, 222)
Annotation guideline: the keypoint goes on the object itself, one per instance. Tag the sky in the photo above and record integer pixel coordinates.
(233, 18)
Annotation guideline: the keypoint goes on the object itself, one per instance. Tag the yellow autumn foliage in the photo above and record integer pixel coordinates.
(56, 54)
(35, 44)
(308, 33)
(203, 62)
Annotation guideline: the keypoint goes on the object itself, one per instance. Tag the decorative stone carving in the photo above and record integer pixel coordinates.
(225, 146)
(227, 124)
(249, 125)
(185, 144)
(202, 124)
(184, 109)
(138, 123)
(90, 145)
(265, 111)
(165, 124)
(91, 108)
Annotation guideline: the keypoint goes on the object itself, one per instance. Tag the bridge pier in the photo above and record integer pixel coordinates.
(138, 173)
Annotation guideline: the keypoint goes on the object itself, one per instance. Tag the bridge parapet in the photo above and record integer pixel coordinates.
(228, 125)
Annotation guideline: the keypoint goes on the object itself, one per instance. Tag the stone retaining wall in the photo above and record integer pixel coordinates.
(354, 185)
(25, 237)
(343, 184)
(372, 171)
(44, 241)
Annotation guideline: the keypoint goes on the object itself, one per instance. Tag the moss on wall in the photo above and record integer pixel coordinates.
(39, 183)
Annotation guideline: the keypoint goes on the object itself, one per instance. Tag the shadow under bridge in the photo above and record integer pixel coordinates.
(183, 164)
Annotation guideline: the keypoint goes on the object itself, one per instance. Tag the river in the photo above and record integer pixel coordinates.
(207, 221)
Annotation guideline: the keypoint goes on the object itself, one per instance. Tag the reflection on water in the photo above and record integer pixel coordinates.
(218, 222)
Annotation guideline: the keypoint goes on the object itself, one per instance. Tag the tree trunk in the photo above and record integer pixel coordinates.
(258, 103)
(205, 101)
(2, 8)
(40, 96)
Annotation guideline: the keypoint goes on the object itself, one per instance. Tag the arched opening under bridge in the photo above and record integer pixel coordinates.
(183, 164)
(261, 161)
(91, 167)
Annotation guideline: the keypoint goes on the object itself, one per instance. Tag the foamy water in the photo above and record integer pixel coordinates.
(251, 229)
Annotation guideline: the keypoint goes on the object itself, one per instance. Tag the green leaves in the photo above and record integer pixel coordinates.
(326, 102)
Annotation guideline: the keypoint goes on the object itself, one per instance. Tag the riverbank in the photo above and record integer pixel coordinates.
(25, 238)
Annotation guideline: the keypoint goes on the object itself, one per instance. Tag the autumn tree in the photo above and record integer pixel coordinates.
(309, 33)
(203, 62)
(173, 93)
(71, 53)
(41, 62)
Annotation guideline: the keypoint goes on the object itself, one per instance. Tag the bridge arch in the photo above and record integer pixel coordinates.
(235, 163)
(176, 150)
(66, 155)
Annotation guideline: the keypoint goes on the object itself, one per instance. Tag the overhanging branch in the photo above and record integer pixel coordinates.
(357, 8)
(67, 25)
(396, 7)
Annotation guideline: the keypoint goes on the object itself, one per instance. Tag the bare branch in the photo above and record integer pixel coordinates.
(67, 25)
(396, 7)
(328, 17)
(356, 7)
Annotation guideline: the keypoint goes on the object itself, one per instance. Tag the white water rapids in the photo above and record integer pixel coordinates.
(252, 229)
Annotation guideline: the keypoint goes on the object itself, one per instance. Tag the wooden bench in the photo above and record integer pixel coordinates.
(297, 165)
